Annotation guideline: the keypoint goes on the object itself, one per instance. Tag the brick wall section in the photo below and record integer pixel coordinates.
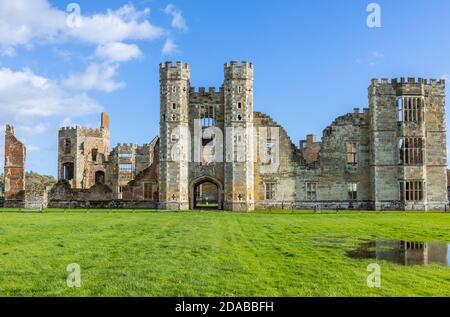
(309, 149)
(15, 154)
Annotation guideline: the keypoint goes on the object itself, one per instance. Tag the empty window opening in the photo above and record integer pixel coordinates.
(411, 151)
(411, 191)
(352, 154)
(99, 177)
(126, 167)
(270, 189)
(67, 146)
(68, 171)
(311, 191)
(94, 155)
(410, 109)
(352, 191)
(207, 116)
(125, 155)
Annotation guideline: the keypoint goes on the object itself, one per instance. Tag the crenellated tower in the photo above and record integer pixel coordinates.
(174, 133)
(408, 144)
(238, 122)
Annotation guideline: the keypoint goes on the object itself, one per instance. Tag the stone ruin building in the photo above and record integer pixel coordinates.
(389, 156)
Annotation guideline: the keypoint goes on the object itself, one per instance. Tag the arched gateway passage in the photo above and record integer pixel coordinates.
(206, 193)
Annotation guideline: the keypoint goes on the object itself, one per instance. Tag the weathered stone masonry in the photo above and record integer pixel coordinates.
(391, 155)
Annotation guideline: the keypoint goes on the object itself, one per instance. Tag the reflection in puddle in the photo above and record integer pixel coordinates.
(404, 252)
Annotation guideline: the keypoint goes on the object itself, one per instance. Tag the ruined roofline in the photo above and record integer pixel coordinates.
(104, 125)
(126, 145)
(409, 80)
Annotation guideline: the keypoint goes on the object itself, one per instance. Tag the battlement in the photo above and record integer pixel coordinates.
(177, 71)
(235, 64)
(68, 130)
(203, 91)
(407, 81)
(178, 65)
(81, 130)
(234, 70)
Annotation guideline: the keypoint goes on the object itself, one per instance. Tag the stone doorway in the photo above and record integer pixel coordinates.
(206, 193)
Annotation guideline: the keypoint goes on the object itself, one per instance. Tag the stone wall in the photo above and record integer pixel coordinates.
(86, 151)
(15, 154)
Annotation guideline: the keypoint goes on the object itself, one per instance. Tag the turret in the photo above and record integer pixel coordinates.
(238, 99)
(174, 149)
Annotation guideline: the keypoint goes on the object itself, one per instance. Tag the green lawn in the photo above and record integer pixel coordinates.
(206, 253)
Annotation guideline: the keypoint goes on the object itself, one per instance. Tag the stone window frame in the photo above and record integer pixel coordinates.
(270, 190)
(352, 190)
(412, 190)
(410, 108)
(125, 155)
(311, 191)
(351, 151)
(126, 167)
(411, 151)
(207, 115)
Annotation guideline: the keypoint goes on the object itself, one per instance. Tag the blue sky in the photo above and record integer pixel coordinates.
(313, 60)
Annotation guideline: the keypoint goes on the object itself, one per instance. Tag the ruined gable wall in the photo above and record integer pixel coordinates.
(284, 174)
(333, 173)
(14, 170)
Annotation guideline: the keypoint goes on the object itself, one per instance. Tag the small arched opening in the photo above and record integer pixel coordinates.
(99, 177)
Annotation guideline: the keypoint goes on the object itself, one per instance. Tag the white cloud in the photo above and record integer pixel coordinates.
(118, 52)
(178, 21)
(169, 47)
(126, 23)
(23, 21)
(96, 77)
(25, 95)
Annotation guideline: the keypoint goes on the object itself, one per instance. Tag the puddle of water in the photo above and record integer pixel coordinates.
(404, 252)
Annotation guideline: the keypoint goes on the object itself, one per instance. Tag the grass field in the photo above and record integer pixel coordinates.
(206, 253)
